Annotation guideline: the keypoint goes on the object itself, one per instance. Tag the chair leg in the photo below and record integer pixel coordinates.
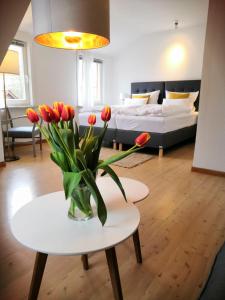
(13, 145)
(33, 144)
(40, 141)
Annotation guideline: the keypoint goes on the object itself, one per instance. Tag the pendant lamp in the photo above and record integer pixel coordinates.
(71, 24)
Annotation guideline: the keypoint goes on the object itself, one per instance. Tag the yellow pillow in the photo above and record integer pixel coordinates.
(147, 98)
(173, 95)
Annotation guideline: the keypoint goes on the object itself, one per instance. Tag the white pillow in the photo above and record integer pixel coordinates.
(135, 101)
(154, 96)
(184, 102)
(192, 95)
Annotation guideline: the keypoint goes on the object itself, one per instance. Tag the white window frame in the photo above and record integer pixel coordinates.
(24, 71)
(85, 89)
(99, 61)
(80, 86)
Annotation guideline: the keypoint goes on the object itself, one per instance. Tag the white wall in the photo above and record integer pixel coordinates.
(210, 142)
(54, 75)
(53, 72)
(169, 55)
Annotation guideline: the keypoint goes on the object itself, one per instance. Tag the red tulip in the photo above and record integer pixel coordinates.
(142, 139)
(56, 116)
(72, 112)
(58, 106)
(46, 113)
(32, 115)
(106, 114)
(67, 113)
(92, 119)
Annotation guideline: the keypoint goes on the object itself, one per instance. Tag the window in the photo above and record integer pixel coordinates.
(90, 81)
(81, 80)
(17, 86)
(96, 81)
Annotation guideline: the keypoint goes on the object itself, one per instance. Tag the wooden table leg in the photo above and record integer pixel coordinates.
(114, 273)
(38, 271)
(84, 259)
(137, 246)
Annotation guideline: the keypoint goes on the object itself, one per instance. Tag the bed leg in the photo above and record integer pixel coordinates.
(114, 145)
(120, 147)
(160, 151)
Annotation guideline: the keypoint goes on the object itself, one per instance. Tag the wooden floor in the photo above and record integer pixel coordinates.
(182, 228)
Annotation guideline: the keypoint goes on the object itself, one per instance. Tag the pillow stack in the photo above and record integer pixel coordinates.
(178, 98)
(152, 97)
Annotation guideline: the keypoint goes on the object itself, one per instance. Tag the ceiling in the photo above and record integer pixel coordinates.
(131, 19)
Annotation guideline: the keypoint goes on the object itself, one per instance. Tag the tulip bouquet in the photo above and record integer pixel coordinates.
(78, 156)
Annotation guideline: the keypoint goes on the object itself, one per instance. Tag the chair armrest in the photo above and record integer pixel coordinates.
(16, 118)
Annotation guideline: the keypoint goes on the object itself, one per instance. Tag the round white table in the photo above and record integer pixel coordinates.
(135, 190)
(42, 225)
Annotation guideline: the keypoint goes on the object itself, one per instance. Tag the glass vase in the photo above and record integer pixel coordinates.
(80, 204)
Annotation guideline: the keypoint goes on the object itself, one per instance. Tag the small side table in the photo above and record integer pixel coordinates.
(43, 226)
(135, 190)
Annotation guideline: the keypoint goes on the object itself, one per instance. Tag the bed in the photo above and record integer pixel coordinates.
(166, 131)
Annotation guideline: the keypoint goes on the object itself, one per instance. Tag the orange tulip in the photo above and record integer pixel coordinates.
(142, 139)
(106, 114)
(56, 115)
(72, 112)
(32, 115)
(46, 113)
(67, 113)
(58, 106)
(92, 119)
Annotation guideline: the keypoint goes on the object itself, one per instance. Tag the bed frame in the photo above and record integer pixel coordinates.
(160, 141)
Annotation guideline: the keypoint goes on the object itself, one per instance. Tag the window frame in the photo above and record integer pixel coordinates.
(100, 62)
(24, 102)
(85, 89)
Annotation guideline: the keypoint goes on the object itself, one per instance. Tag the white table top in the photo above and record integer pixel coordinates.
(42, 225)
(135, 190)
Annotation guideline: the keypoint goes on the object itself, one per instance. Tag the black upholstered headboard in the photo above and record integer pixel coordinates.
(173, 86)
(184, 86)
(144, 87)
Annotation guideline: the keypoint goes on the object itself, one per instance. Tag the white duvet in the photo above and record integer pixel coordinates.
(157, 110)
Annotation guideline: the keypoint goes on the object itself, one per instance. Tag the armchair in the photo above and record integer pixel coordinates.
(18, 132)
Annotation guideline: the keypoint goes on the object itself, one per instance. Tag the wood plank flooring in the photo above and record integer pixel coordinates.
(182, 228)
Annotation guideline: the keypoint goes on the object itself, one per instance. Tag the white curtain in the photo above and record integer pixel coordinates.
(85, 91)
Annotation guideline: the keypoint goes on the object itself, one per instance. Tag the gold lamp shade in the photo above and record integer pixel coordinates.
(71, 24)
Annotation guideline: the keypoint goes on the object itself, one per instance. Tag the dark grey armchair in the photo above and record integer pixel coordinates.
(11, 132)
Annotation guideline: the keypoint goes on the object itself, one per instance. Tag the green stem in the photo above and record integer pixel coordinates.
(89, 132)
(63, 143)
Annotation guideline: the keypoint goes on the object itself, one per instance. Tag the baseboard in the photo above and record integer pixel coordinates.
(2, 164)
(208, 171)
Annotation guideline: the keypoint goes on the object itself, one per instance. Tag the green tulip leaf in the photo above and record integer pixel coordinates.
(68, 139)
(101, 208)
(76, 136)
(80, 157)
(60, 159)
(116, 158)
(113, 175)
(70, 182)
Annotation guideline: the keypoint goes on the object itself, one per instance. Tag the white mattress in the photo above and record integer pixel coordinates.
(156, 124)
(144, 123)
(83, 120)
